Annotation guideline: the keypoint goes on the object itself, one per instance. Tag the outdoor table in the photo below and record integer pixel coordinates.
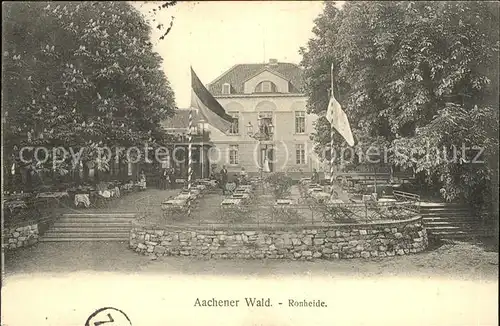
(105, 193)
(201, 187)
(320, 195)
(14, 204)
(82, 199)
(195, 191)
(19, 196)
(313, 190)
(243, 190)
(231, 202)
(185, 196)
(335, 201)
(174, 202)
(366, 198)
(115, 192)
(243, 196)
(283, 202)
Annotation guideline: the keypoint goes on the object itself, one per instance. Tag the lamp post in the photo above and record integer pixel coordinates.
(261, 136)
(202, 148)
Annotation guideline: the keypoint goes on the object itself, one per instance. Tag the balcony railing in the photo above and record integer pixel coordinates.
(198, 137)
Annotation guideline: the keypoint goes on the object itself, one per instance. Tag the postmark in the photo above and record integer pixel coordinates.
(108, 316)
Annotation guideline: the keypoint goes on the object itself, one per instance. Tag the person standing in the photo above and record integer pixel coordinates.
(315, 177)
(164, 179)
(243, 176)
(142, 178)
(223, 179)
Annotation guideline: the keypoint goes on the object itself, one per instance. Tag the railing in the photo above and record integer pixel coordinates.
(196, 137)
(252, 212)
(405, 196)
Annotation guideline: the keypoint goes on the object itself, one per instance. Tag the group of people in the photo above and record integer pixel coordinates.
(222, 177)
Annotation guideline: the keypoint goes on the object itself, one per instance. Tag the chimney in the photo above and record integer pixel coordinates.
(273, 62)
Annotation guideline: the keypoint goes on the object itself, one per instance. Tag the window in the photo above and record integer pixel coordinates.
(233, 155)
(300, 122)
(226, 88)
(266, 87)
(235, 127)
(300, 154)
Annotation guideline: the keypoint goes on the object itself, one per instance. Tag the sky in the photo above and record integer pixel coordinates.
(213, 36)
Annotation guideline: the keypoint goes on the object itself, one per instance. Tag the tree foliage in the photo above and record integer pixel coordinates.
(413, 73)
(77, 74)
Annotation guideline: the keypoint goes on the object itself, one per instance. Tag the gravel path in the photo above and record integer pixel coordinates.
(454, 260)
(56, 284)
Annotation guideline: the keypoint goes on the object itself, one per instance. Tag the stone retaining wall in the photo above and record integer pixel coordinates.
(20, 236)
(303, 242)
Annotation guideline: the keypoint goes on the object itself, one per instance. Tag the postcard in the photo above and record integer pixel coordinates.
(253, 163)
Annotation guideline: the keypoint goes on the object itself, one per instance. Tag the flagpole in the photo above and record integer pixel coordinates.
(332, 134)
(202, 151)
(190, 158)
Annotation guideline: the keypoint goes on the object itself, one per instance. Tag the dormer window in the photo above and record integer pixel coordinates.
(226, 89)
(266, 87)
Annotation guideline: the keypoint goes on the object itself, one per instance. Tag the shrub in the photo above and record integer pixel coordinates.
(280, 184)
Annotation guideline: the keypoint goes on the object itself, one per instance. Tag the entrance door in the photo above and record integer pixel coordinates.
(270, 158)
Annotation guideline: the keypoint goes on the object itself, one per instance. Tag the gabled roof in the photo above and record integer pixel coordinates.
(269, 70)
(180, 120)
(238, 74)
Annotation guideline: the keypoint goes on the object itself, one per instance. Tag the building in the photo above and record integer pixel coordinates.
(178, 126)
(270, 119)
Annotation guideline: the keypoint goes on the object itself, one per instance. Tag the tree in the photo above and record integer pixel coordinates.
(79, 74)
(413, 73)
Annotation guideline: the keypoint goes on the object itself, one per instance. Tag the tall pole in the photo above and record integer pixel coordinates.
(261, 159)
(332, 134)
(190, 149)
(202, 149)
(190, 156)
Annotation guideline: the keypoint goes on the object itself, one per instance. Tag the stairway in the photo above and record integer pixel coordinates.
(453, 221)
(90, 227)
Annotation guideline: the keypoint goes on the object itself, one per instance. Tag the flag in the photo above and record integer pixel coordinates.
(338, 119)
(212, 112)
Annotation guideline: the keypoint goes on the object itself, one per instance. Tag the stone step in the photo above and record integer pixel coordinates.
(431, 204)
(100, 215)
(448, 215)
(110, 235)
(71, 229)
(464, 225)
(444, 209)
(94, 220)
(82, 239)
(443, 227)
(452, 220)
(460, 234)
(91, 223)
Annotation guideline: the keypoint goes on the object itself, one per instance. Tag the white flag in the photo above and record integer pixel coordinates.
(338, 119)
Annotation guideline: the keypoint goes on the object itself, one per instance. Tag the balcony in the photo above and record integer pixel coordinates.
(265, 132)
(198, 137)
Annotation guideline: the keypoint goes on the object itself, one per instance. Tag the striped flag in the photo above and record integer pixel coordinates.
(208, 107)
(338, 119)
